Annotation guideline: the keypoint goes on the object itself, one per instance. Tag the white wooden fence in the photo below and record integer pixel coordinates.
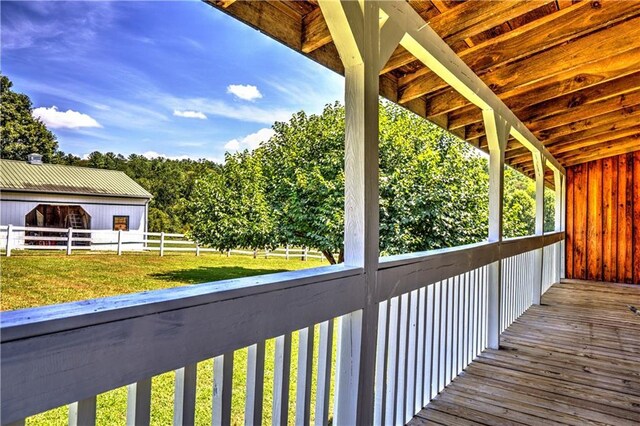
(68, 239)
(433, 312)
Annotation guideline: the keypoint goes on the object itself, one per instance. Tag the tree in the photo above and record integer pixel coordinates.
(229, 206)
(519, 211)
(304, 168)
(22, 133)
(432, 187)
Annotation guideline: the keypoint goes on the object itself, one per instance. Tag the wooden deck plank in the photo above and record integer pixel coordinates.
(572, 360)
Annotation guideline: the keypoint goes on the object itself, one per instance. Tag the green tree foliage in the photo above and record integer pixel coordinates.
(22, 133)
(519, 207)
(433, 188)
(230, 208)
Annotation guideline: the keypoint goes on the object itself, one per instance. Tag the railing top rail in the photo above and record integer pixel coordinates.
(25, 323)
(527, 242)
(387, 262)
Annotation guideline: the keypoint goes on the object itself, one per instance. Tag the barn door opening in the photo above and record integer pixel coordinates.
(57, 216)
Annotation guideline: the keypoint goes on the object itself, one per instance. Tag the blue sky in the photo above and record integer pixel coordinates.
(177, 79)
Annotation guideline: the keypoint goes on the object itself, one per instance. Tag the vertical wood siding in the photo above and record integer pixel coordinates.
(603, 220)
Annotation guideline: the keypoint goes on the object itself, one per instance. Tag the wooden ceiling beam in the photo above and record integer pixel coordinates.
(622, 119)
(570, 116)
(586, 79)
(587, 111)
(563, 124)
(632, 118)
(568, 147)
(616, 66)
(600, 91)
(540, 35)
(608, 149)
(581, 130)
(224, 3)
(608, 119)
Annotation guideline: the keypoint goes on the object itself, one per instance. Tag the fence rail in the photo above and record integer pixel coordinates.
(69, 239)
(433, 317)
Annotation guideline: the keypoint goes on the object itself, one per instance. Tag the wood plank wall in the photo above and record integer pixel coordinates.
(603, 220)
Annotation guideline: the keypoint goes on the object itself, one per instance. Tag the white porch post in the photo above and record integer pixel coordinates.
(539, 164)
(355, 28)
(558, 180)
(497, 130)
(563, 221)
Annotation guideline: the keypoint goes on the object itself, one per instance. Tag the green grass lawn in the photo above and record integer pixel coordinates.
(29, 280)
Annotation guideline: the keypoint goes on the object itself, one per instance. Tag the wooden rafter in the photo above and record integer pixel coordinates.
(585, 144)
(586, 111)
(598, 92)
(544, 81)
(538, 35)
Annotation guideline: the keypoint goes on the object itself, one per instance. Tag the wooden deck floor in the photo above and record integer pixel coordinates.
(573, 360)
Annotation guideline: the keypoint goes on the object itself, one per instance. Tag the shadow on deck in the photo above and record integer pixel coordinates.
(573, 360)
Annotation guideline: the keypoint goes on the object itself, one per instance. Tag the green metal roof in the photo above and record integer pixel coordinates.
(55, 178)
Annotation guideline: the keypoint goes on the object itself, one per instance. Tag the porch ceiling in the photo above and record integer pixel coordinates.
(569, 70)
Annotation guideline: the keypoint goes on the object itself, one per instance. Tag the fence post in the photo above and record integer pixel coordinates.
(255, 253)
(119, 242)
(9, 232)
(69, 240)
(197, 249)
(306, 253)
(286, 252)
(162, 244)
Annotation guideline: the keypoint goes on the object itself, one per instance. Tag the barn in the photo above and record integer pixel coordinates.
(35, 194)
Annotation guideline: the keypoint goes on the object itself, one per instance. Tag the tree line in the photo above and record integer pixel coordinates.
(290, 190)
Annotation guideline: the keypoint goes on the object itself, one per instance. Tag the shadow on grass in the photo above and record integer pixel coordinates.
(205, 274)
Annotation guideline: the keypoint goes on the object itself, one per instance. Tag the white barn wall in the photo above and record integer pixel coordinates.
(14, 206)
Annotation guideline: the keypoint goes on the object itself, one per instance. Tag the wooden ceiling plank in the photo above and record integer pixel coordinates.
(601, 91)
(517, 157)
(448, 100)
(476, 16)
(224, 3)
(587, 111)
(562, 4)
(315, 33)
(608, 149)
(624, 122)
(584, 112)
(608, 119)
(539, 35)
(584, 130)
(268, 19)
(573, 145)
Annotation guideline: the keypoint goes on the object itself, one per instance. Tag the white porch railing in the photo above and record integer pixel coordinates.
(69, 239)
(433, 311)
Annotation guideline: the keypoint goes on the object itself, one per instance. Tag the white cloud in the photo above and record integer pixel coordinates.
(251, 141)
(218, 108)
(246, 92)
(64, 120)
(190, 114)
